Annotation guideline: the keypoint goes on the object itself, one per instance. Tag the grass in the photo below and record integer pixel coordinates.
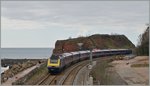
(140, 65)
(99, 71)
(37, 76)
(143, 59)
(105, 74)
(32, 77)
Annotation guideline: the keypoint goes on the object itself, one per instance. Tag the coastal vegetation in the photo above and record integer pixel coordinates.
(38, 75)
(104, 73)
(140, 65)
(143, 43)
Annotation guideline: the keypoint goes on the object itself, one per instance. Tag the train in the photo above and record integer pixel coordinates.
(57, 63)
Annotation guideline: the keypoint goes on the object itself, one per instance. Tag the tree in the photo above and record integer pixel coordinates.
(143, 43)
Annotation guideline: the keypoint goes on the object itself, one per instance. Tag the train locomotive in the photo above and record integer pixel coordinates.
(56, 63)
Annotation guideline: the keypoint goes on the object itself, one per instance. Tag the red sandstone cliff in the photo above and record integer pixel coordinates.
(100, 41)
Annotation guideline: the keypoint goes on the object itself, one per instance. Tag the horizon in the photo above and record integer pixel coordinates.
(62, 39)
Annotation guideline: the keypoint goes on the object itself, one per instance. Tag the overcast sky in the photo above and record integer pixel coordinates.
(41, 23)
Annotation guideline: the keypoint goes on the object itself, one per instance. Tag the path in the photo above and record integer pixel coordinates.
(19, 75)
(132, 75)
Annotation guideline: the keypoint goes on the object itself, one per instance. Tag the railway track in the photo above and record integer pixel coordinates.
(66, 77)
(43, 80)
(49, 79)
(53, 80)
(69, 77)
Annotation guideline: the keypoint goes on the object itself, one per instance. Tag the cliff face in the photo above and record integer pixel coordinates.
(97, 41)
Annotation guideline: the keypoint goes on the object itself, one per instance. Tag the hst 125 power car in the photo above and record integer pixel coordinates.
(56, 63)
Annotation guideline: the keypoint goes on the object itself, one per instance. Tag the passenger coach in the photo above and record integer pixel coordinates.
(56, 63)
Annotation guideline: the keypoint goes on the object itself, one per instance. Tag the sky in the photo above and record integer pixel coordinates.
(34, 24)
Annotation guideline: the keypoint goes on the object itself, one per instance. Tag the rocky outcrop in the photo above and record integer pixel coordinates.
(99, 41)
(16, 68)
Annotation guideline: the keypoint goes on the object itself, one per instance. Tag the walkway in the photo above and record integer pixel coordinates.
(19, 75)
(132, 75)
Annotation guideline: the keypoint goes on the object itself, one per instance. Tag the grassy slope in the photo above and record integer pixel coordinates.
(104, 74)
(37, 76)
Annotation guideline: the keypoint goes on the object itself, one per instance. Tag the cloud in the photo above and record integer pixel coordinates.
(81, 18)
(10, 24)
(74, 14)
(83, 31)
(19, 24)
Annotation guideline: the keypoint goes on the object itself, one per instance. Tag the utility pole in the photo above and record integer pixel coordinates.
(90, 78)
(91, 56)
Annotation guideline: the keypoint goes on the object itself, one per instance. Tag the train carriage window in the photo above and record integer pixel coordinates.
(54, 59)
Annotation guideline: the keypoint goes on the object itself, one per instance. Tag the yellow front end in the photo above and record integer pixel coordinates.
(49, 64)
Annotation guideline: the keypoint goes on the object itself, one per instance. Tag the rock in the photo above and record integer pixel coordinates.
(99, 41)
(16, 68)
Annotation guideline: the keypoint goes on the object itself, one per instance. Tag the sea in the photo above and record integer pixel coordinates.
(25, 53)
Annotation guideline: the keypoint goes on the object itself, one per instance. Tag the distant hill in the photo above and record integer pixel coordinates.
(99, 41)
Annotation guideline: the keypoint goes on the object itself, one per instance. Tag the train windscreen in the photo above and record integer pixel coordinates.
(54, 59)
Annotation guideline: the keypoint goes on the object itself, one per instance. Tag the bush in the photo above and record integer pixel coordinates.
(140, 65)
